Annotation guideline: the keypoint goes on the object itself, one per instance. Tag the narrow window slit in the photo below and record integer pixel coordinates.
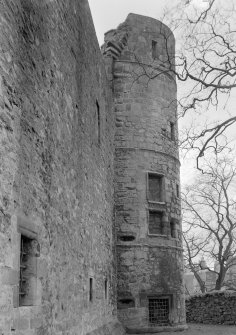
(173, 229)
(154, 49)
(105, 286)
(98, 123)
(172, 131)
(177, 190)
(90, 289)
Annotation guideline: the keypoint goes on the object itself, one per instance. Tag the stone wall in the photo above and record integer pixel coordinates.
(56, 170)
(58, 134)
(212, 308)
(149, 264)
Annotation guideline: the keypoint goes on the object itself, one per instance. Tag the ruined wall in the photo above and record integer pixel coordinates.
(57, 126)
(56, 172)
(149, 262)
(212, 308)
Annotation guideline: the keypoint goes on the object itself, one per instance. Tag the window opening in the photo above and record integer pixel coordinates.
(154, 49)
(98, 123)
(126, 303)
(155, 186)
(155, 223)
(159, 311)
(179, 235)
(172, 229)
(164, 132)
(105, 285)
(126, 238)
(90, 289)
(23, 266)
(29, 250)
(172, 131)
(177, 190)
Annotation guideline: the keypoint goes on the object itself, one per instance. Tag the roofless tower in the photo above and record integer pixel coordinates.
(140, 54)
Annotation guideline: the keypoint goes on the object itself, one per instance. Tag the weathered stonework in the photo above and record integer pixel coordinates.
(149, 265)
(56, 175)
(67, 126)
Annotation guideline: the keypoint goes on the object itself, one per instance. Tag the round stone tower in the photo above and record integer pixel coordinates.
(140, 54)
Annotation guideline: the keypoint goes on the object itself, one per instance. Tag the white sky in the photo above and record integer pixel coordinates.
(108, 14)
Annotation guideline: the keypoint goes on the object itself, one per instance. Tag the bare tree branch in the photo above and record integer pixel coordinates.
(209, 220)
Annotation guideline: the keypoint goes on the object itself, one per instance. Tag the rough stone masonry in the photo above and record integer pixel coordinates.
(147, 198)
(216, 307)
(89, 175)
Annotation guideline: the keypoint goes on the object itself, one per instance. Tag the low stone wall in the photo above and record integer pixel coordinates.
(212, 308)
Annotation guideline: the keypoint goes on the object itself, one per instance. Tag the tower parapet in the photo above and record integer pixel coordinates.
(147, 185)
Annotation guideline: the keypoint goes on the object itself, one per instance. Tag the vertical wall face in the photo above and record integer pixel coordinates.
(56, 175)
(150, 283)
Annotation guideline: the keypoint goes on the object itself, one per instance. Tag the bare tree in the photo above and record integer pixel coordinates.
(205, 64)
(209, 220)
(192, 249)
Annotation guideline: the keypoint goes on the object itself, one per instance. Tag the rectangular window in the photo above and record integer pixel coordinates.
(90, 289)
(159, 309)
(29, 250)
(155, 187)
(155, 223)
(172, 131)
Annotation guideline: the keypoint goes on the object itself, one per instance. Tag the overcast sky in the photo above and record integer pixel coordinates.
(108, 14)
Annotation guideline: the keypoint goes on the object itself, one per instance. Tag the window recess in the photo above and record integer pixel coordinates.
(125, 303)
(106, 288)
(173, 232)
(154, 50)
(91, 289)
(155, 223)
(29, 251)
(98, 124)
(172, 131)
(155, 187)
(177, 191)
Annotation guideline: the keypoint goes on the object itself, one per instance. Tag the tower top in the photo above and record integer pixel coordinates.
(141, 38)
(143, 23)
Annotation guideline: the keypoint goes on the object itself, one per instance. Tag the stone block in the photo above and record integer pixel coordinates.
(9, 276)
(21, 323)
(5, 300)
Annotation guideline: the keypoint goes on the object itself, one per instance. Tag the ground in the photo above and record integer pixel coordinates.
(201, 329)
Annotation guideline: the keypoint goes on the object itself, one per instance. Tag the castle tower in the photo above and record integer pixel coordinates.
(150, 291)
